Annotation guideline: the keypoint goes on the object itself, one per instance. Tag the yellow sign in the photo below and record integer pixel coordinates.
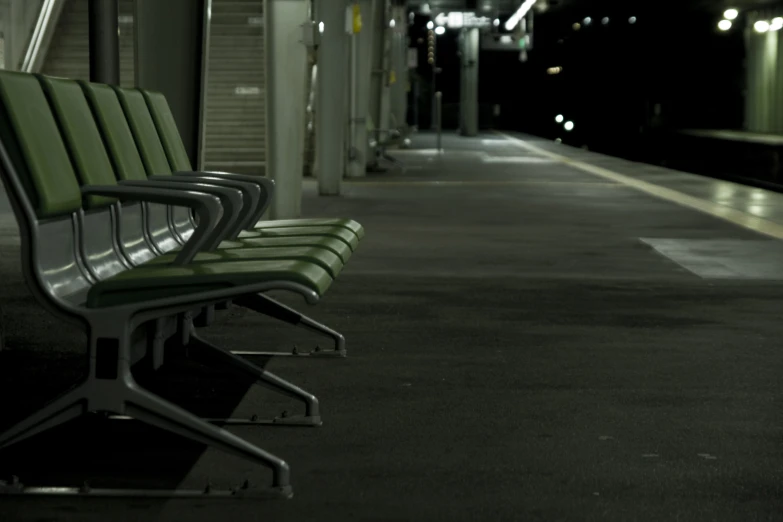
(357, 19)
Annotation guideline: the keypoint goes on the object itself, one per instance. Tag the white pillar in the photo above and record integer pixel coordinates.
(361, 64)
(286, 84)
(399, 64)
(469, 82)
(331, 115)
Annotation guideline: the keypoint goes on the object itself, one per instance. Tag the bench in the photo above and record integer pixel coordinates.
(106, 245)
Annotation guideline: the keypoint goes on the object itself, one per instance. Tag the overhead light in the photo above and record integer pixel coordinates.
(587, 21)
(762, 26)
(559, 118)
(321, 27)
(731, 14)
(577, 26)
(632, 20)
(724, 25)
(425, 9)
(392, 23)
(554, 70)
(777, 24)
(496, 22)
(512, 22)
(605, 20)
(569, 126)
(430, 25)
(440, 30)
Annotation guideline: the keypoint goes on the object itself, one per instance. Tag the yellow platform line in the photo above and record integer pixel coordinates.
(471, 183)
(732, 215)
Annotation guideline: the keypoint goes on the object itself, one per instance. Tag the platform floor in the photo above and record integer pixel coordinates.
(536, 333)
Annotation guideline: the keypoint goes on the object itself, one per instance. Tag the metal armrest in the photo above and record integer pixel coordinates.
(267, 185)
(207, 207)
(230, 199)
(251, 193)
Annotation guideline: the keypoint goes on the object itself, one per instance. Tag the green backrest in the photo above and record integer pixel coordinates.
(41, 159)
(117, 135)
(144, 131)
(168, 131)
(81, 134)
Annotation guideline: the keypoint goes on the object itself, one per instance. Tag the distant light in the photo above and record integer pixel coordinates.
(559, 118)
(587, 21)
(777, 24)
(430, 25)
(577, 26)
(440, 30)
(605, 20)
(569, 126)
(496, 22)
(731, 14)
(632, 20)
(762, 26)
(554, 70)
(425, 9)
(412, 17)
(559, 140)
(321, 27)
(392, 23)
(724, 25)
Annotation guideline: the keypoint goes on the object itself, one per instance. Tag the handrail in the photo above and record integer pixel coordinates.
(42, 35)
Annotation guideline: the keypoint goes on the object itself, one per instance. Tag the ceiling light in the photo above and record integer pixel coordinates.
(559, 118)
(569, 126)
(777, 24)
(430, 25)
(512, 22)
(605, 21)
(496, 22)
(577, 26)
(440, 30)
(762, 26)
(724, 25)
(588, 21)
(731, 14)
(632, 20)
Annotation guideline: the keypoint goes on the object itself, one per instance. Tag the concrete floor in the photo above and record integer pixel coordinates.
(517, 351)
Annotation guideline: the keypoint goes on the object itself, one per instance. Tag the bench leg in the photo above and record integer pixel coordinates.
(267, 306)
(63, 409)
(208, 353)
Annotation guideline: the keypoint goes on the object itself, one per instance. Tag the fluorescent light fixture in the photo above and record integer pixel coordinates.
(456, 20)
(440, 30)
(559, 118)
(512, 22)
(731, 14)
(762, 26)
(569, 126)
(430, 25)
(724, 25)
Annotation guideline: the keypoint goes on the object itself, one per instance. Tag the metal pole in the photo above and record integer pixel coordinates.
(438, 118)
(104, 41)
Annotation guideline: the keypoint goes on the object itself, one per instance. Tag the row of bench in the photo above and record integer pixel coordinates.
(122, 237)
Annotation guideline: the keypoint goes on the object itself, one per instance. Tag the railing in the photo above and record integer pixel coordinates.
(41, 35)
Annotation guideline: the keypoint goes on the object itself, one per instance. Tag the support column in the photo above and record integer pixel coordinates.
(331, 115)
(286, 77)
(469, 82)
(104, 41)
(399, 65)
(170, 58)
(361, 63)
